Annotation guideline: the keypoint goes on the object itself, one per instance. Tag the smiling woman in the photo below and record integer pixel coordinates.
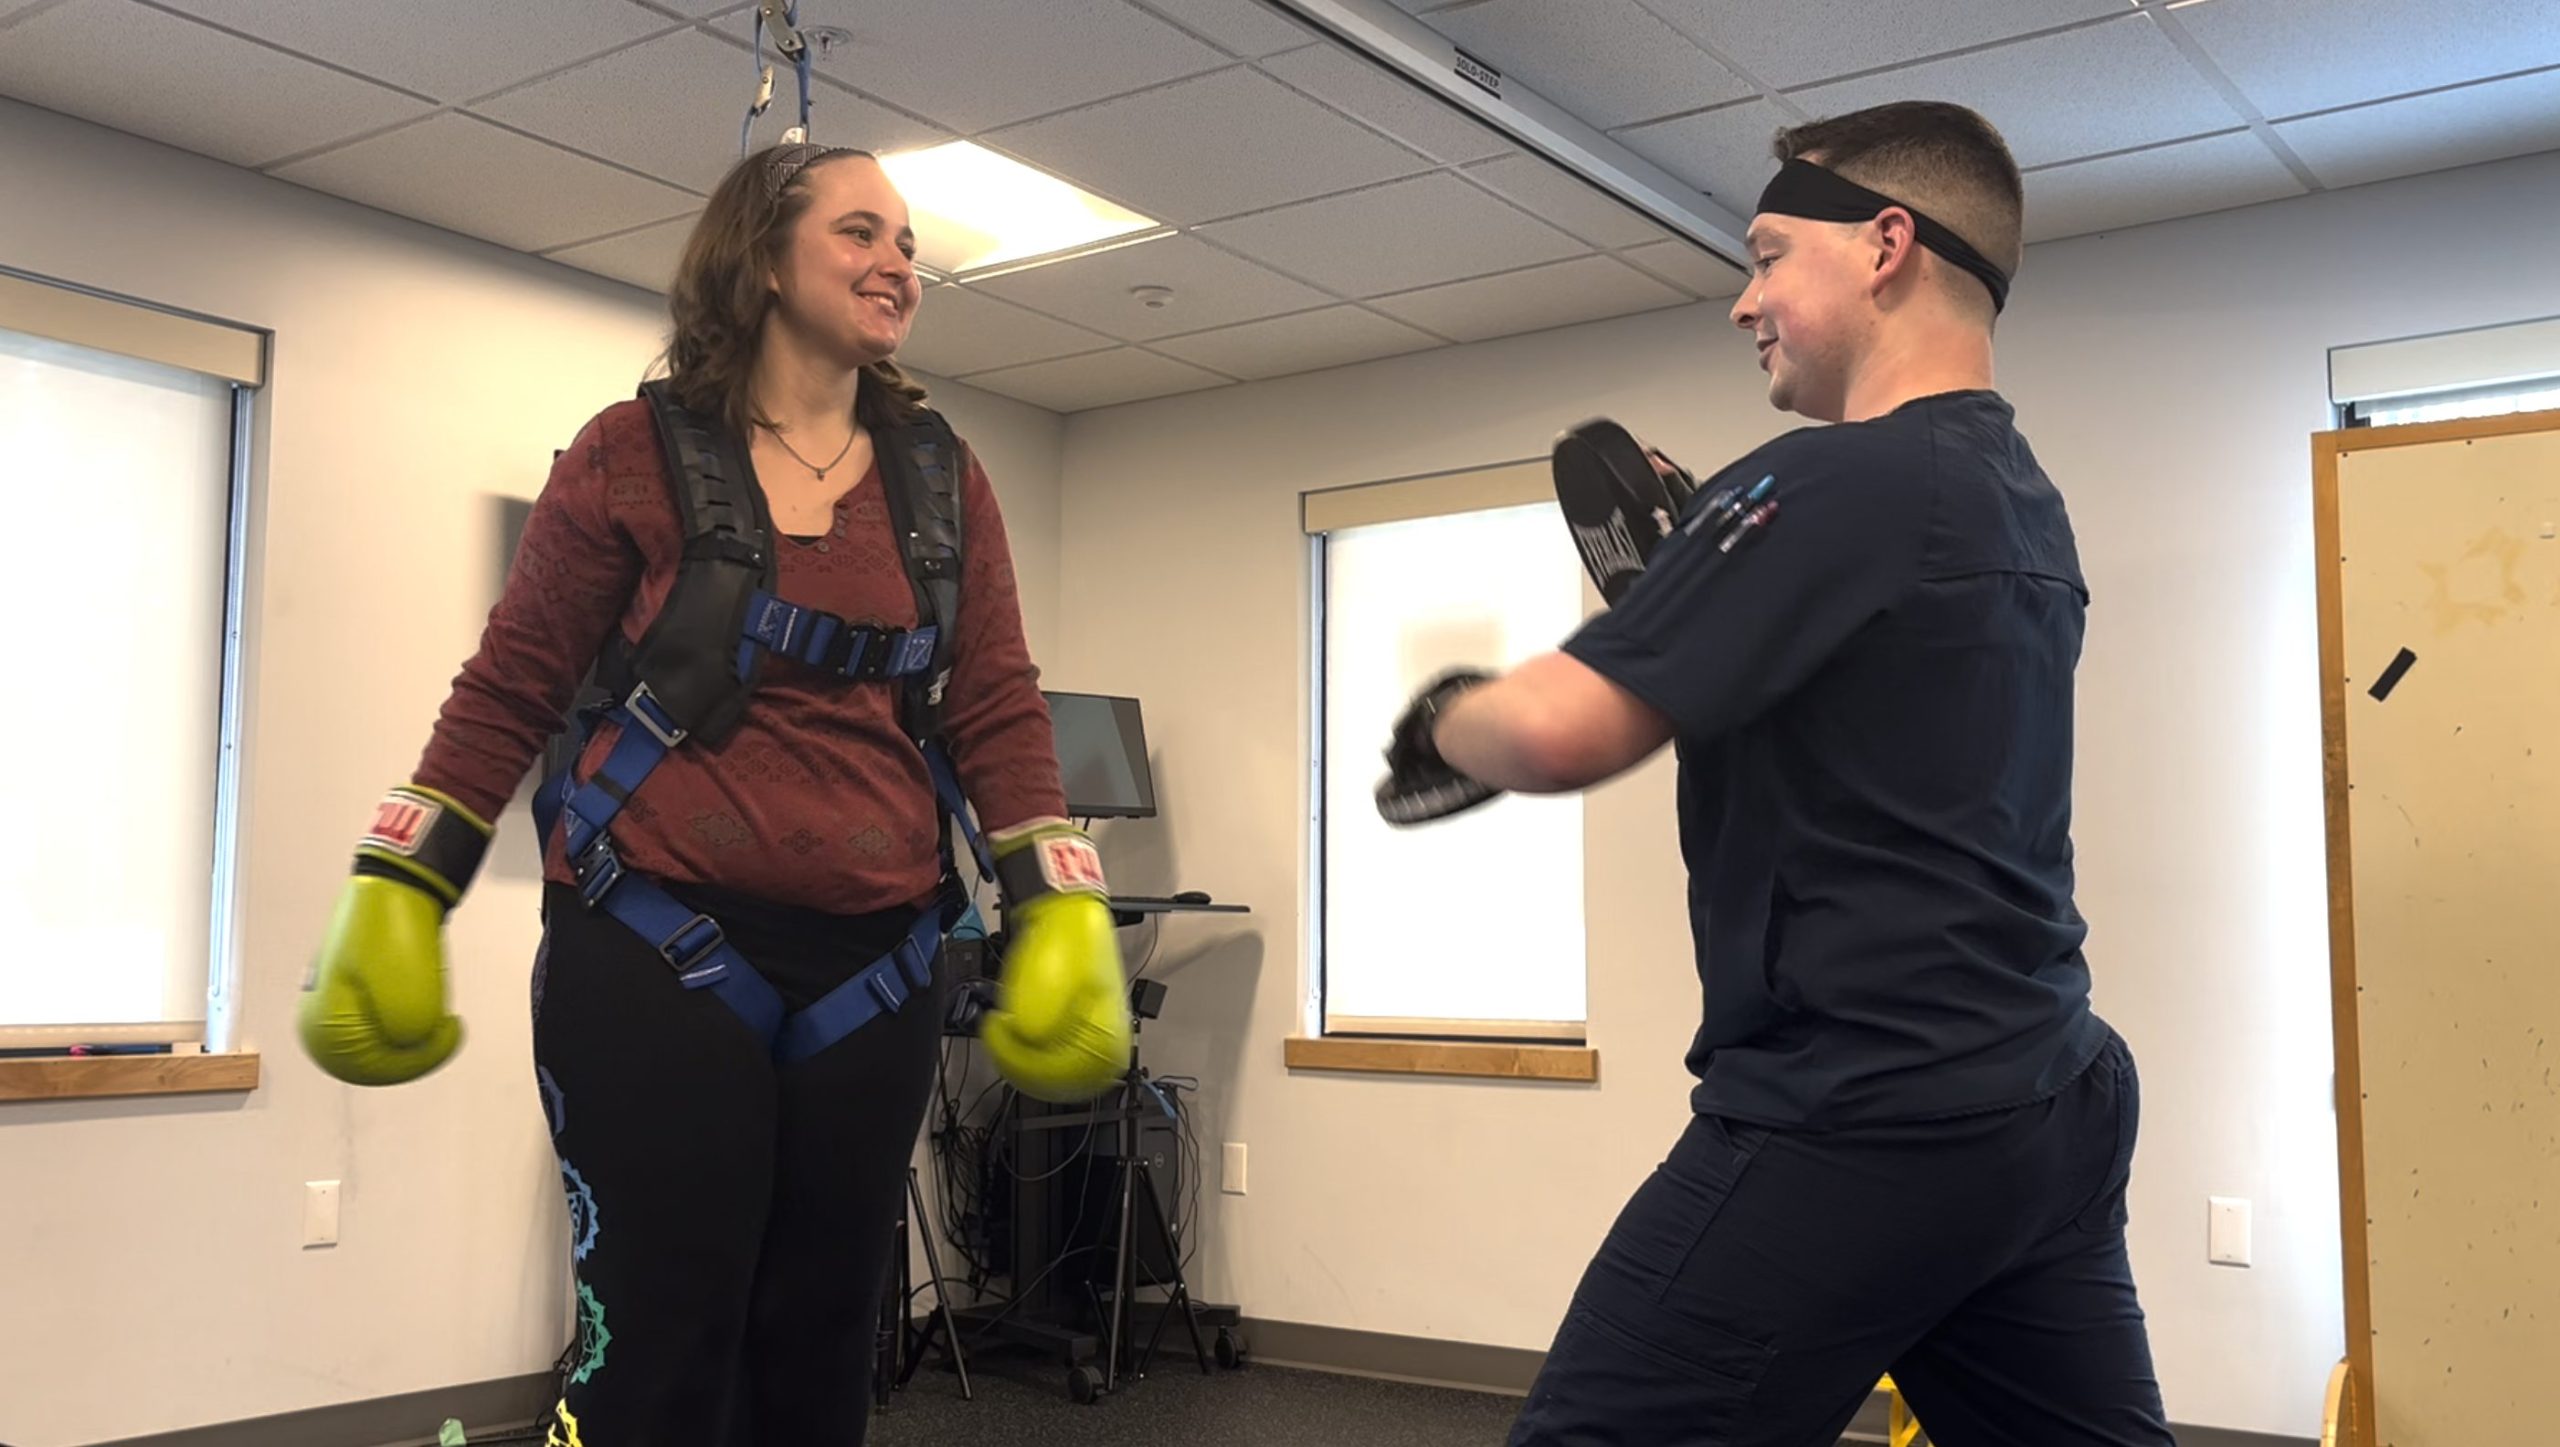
(811, 673)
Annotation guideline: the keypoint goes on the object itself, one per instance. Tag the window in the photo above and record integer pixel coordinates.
(2483, 372)
(2537, 396)
(1470, 927)
(124, 428)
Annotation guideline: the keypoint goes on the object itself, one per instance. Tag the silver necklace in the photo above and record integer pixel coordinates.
(804, 462)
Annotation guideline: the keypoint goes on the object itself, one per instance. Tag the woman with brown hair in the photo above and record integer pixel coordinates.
(731, 1199)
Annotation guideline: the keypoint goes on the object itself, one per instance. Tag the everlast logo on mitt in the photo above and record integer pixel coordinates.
(1608, 549)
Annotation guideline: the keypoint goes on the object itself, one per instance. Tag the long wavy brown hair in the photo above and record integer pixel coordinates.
(719, 300)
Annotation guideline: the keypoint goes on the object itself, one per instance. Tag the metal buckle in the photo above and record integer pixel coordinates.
(649, 717)
(598, 869)
(915, 962)
(883, 985)
(847, 650)
(690, 960)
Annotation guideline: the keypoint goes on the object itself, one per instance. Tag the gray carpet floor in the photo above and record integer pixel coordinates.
(1023, 1400)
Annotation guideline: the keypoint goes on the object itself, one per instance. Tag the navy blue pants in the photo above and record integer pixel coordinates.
(1761, 1281)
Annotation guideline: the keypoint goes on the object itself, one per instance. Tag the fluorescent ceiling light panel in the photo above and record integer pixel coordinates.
(974, 209)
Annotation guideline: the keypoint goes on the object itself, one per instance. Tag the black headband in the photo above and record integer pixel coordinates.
(1804, 189)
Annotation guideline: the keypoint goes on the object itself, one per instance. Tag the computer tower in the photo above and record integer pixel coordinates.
(1089, 1201)
(1062, 1176)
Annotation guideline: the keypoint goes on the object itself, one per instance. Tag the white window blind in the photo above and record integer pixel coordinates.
(2499, 357)
(114, 605)
(2539, 396)
(1472, 925)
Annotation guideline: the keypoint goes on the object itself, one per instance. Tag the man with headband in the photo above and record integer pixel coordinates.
(1911, 1136)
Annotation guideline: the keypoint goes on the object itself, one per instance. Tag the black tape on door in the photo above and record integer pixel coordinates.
(2391, 676)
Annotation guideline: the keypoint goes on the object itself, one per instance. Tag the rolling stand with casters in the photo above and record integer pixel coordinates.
(903, 1344)
(1137, 1094)
(1045, 1318)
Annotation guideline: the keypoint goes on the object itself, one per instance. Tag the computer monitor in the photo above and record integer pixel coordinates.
(1102, 756)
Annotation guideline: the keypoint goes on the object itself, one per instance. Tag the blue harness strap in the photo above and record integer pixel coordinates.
(693, 944)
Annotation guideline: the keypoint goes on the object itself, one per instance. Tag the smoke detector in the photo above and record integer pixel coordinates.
(1153, 298)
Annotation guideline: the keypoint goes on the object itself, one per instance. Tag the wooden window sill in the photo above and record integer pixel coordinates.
(1571, 1064)
(99, 1076)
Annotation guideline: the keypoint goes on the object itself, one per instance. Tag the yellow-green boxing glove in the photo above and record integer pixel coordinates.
(1059, 1030)
(373, 1010)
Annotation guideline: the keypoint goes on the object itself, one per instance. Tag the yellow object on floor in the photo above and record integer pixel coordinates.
(1901, 1428)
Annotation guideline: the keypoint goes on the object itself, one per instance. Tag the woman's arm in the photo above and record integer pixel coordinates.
(570, 583)
(993, 716)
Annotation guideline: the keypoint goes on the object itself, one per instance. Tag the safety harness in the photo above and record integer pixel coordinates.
(692, 674)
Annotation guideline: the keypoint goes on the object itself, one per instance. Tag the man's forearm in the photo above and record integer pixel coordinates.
(1550, 726)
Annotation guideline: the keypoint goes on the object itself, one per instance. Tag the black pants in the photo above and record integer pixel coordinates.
(1761, 1281)
(730, 1219)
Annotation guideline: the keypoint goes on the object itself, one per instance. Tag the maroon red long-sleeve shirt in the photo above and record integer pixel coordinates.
(818, 800)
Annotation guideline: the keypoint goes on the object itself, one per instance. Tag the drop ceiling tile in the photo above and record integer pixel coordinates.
(1566, 201)
(1310, 341)
(1395, 237)
(1723, 152)
(972, 65)
(1584, 289)
(157, 75)
(1609, 62)
(2292, 56)
(958, 329)
(1366, 91)
(2186, 179)
(1246, 28)
(2061, 97)
(645, 258)
(1210, 289)
(2485, 122)
(1802, 41)
(450, 49)
(1101, 379)
(467, 175)
(1700, 273)
(687, 132)
(1213, 146)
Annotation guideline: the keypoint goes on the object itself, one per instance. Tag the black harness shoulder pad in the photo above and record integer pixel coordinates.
(920, 462)
(690, 659)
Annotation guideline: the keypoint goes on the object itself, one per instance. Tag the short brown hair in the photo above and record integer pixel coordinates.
(1937, 158)
(719, 299)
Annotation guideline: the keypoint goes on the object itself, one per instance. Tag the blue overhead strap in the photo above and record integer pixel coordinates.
(782, 21)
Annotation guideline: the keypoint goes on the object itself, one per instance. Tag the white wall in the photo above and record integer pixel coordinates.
(150, 1270)
(2170, 378)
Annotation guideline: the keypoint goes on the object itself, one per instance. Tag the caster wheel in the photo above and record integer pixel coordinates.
(1229, 1350)
(1084, 1386)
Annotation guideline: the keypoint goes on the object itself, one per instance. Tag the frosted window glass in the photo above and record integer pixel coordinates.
(1477, 917)
(118, 480)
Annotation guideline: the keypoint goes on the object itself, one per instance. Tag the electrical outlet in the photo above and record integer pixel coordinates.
(1231, 1177)
(319, 1213)
(2227, 1237)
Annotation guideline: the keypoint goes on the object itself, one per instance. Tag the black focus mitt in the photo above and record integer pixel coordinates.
(1618, 503)
(1420, 786)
